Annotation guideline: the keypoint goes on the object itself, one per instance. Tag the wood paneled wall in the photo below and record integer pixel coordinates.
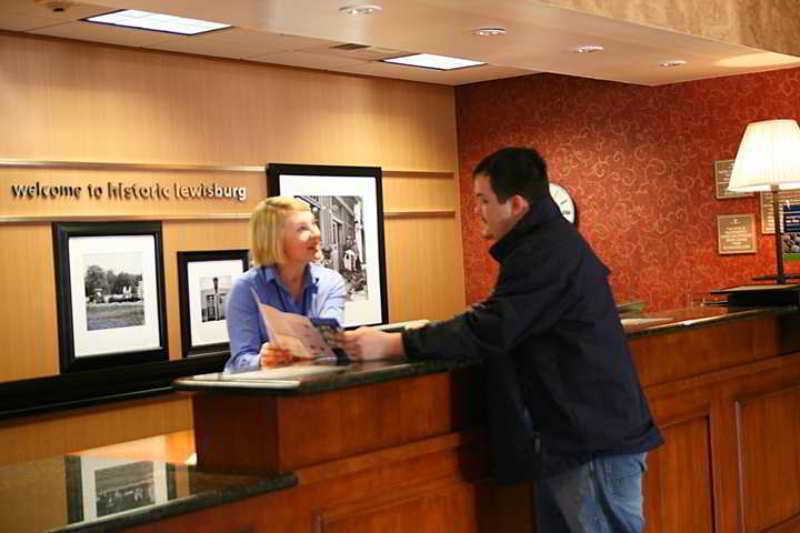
(72, 101)
(56, 433)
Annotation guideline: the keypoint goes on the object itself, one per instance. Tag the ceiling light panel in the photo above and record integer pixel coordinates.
(146, 20)
(361, 9)
(673, 63)
(433, 61)
(588, 49)
(490, 32)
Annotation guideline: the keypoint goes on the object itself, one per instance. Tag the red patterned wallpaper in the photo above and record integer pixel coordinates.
(638, 163)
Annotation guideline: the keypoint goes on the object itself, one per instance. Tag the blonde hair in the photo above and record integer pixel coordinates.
(266, 228)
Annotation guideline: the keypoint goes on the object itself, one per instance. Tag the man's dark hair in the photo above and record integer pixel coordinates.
(515, 171)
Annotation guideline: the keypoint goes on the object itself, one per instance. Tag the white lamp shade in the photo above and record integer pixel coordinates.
(769, 154)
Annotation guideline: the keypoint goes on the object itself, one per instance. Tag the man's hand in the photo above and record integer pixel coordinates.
(366, 344)
(272, 355)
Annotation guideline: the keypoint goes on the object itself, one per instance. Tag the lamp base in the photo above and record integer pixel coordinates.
(762, 295)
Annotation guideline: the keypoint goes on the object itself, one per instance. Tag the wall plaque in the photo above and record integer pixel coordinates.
(736, 234)
(784, 198)
(722, 176)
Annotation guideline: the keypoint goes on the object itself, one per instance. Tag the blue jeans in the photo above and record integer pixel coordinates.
(601, 496)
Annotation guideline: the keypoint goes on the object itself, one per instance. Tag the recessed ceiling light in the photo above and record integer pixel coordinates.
(588, 49)
(361, 9)
(433, 61)
(673, 63)
(146, 20)
(490, 32)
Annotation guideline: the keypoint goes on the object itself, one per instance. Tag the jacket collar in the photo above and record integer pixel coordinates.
(542, 211)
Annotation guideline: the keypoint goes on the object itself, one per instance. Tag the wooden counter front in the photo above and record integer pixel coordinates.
(402, 454)
(408, 454)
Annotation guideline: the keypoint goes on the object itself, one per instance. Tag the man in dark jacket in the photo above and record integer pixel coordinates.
(565, 405)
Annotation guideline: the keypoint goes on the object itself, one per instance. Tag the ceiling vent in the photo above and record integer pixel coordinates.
(361, 52)
(349, 46)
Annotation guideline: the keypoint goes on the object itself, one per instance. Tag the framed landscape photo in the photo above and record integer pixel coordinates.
(110, 294)
(204, 280)
(347, 203)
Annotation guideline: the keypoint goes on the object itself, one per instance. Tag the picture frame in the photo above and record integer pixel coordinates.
(110, 294)
(785, 198)
(736, 234)
(722, 176)
(347, 202)
(98, 487)
(204, 280)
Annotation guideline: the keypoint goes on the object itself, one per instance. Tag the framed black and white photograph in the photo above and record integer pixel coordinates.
(110, 294)
(347, 203)
(205, 279)
(98, 487)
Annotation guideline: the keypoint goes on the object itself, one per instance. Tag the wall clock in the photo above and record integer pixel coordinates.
(563, 201)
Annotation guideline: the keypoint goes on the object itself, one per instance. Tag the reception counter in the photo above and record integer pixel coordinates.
(397, 446)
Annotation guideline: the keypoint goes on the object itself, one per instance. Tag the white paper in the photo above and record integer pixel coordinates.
(640, 321)
(284, 372)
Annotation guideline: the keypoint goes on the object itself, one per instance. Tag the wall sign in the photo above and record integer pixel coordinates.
(722, 176)
(128, 191)
(784, 198)
(791, 233)
(736, 234)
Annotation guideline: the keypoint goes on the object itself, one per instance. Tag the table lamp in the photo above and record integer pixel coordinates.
(769, 160)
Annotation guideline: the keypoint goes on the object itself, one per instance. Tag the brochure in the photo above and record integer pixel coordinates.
(313, 339)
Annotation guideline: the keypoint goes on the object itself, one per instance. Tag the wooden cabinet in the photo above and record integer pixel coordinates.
(731, 421)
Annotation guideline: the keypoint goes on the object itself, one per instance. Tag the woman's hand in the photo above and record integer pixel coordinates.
(365, 344)
(272, 355)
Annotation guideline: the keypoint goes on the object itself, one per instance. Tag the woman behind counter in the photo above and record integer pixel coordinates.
(284, 240)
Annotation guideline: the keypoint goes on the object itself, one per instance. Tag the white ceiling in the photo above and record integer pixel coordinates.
(302, 33)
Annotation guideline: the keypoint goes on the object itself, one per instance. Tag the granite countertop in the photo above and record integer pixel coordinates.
(309, 379)
(80, 493)
(674, 320)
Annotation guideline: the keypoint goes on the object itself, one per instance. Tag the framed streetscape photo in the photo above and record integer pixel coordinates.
(110, 294)
(347, 203)
(98, 486)
(205, 279)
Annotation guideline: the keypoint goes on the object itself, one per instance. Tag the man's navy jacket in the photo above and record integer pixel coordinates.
(560, 382)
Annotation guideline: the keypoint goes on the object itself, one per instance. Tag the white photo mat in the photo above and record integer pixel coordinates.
(213, 332)
(114, 340)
